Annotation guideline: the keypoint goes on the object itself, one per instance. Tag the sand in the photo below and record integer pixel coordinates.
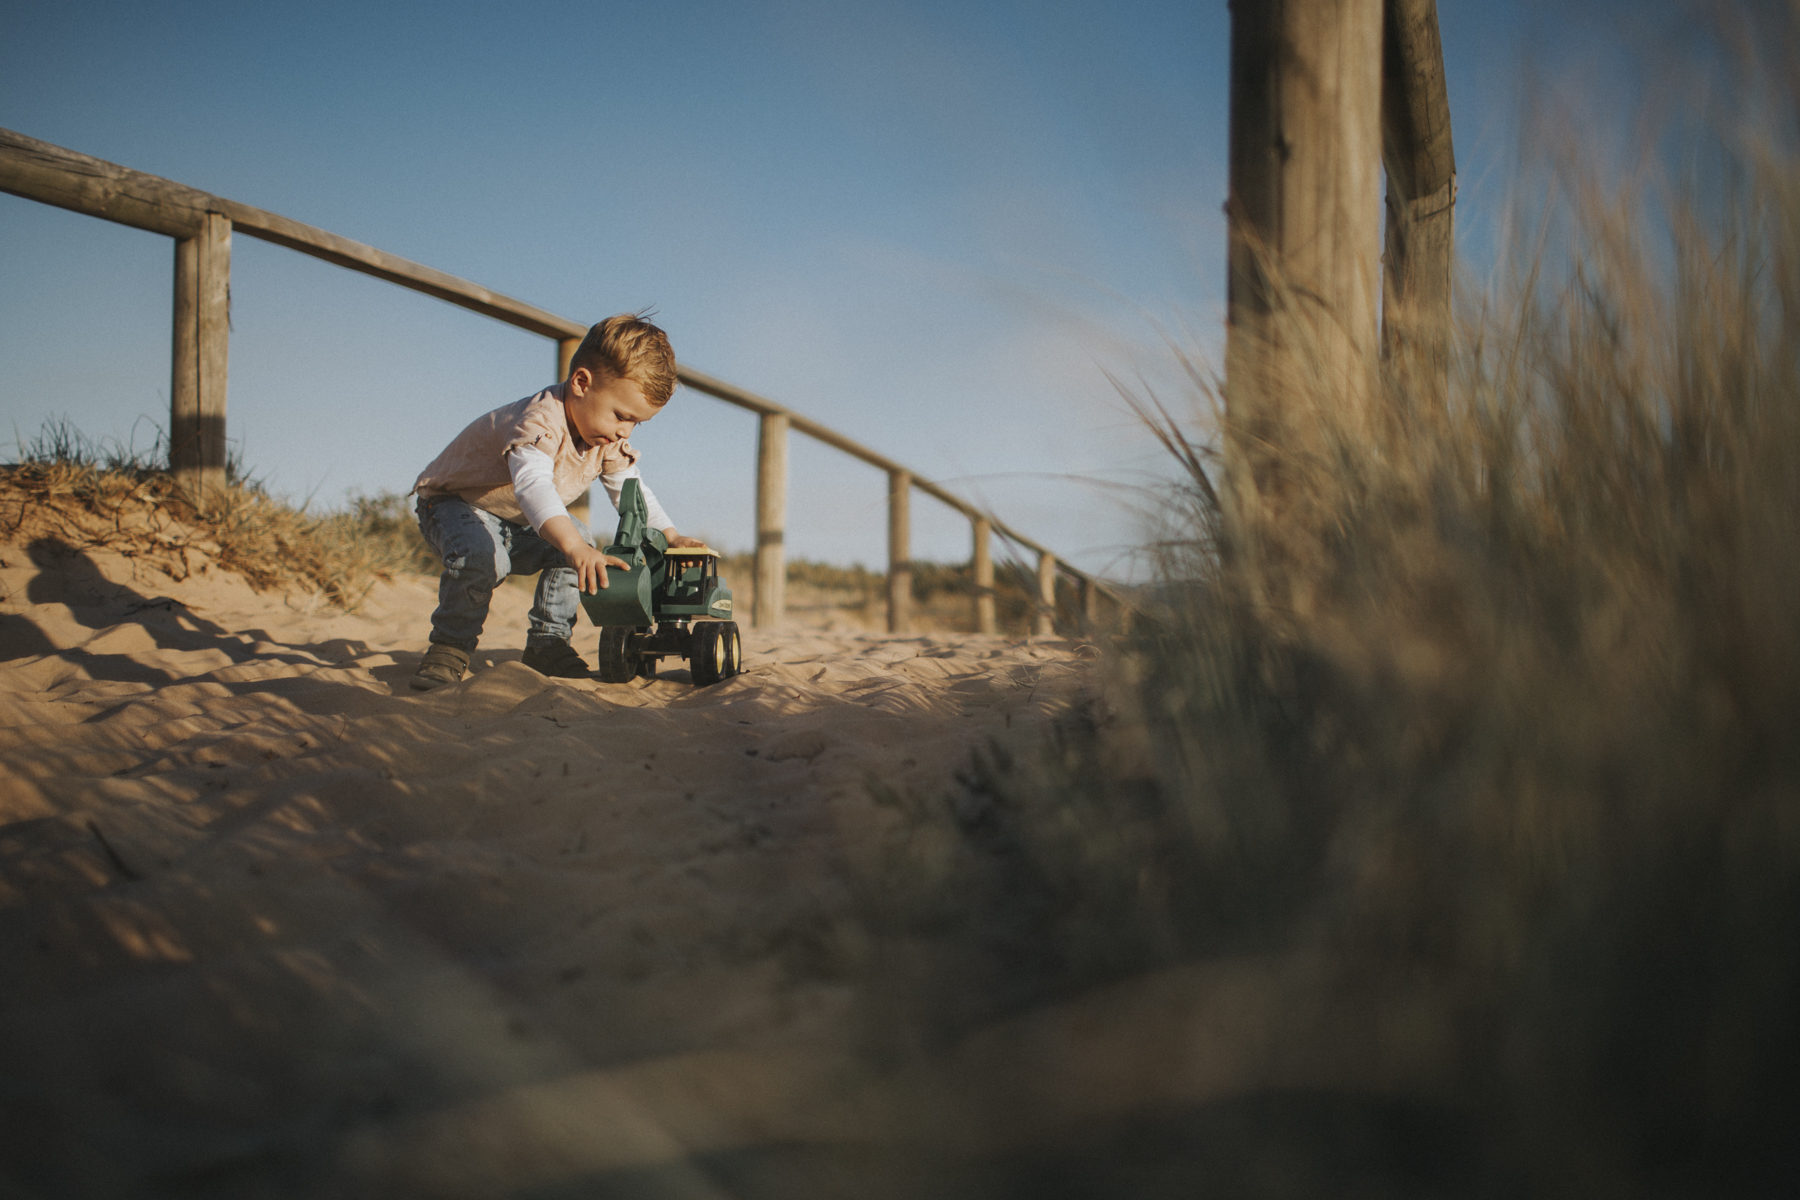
(275, 925)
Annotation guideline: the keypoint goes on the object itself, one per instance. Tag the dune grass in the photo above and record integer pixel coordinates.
(81, 494)
(1499, 693)
(87, 493)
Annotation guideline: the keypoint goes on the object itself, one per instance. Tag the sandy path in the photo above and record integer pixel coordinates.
(272, 924)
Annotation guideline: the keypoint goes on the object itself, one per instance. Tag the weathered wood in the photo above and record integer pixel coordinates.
(899, 581)
(1044, 624)
(199, 359)
(1090, 605)
(50, 174)
(734, 395)
(184, 365)
(1420, 158)
(983, 570)
(771, 520)
(1417, 148)
(215, 347)
(1303, 216)
(718, 389)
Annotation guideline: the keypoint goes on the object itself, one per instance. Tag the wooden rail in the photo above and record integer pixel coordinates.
(202, 225)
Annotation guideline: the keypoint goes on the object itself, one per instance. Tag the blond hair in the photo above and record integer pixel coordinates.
(629, 347)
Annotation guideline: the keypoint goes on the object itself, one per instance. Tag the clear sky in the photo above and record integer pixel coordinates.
(929, 225)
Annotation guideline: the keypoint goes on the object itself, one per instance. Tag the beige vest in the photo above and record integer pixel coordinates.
(473, 466)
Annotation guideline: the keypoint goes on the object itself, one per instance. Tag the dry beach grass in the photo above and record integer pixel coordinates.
(1471, 750)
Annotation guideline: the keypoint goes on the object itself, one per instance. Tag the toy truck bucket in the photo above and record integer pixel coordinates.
(628, 597)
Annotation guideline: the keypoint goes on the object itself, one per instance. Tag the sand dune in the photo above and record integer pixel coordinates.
(273, 922)
(274, 925)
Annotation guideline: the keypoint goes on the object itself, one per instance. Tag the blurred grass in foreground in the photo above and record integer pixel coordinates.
(1497, 702)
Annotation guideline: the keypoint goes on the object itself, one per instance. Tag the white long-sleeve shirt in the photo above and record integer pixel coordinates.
(534, 483)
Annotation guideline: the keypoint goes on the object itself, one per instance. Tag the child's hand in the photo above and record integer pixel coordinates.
(678, 541)
(590, 566)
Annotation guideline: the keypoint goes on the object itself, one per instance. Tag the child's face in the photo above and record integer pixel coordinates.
(603, 413)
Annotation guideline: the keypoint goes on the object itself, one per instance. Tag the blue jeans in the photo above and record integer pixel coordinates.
(479, 551)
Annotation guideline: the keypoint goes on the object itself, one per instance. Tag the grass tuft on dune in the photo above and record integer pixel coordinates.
(89, 496)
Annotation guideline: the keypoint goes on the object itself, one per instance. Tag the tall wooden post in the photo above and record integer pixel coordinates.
(184, 367)
(983, 570)
(771, 520)
(1420, 157)
(565, 354)
(1304, 219)
(899, 551)
(1045, 623)
(1090, 606)
(199, 357)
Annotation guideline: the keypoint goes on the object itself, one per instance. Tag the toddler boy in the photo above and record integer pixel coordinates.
(495, 502)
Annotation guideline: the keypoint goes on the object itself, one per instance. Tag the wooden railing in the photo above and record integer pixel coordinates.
(202, 225)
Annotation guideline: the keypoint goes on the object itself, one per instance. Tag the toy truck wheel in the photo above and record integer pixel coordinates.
(734, 648)
(617, 663)
(709, 652)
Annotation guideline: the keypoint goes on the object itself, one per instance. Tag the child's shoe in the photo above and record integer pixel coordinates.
(441, 664)
(558, 660)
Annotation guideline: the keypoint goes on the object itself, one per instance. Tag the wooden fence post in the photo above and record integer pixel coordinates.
(1420, 157)
(1304, 222)
(771, 521)
(1045, 622)
(1090, 606)
(899, 551)
(203, 226)
(199, 359)
(983, 565)
(184, 367)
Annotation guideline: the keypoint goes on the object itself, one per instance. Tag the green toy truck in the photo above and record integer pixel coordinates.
(666, 604)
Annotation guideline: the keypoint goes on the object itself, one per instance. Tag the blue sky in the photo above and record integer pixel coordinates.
(929, 225)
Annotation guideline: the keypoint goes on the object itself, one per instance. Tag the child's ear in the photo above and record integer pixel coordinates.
(580, 380)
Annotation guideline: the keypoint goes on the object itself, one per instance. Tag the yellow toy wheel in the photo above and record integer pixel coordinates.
(708, 652)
